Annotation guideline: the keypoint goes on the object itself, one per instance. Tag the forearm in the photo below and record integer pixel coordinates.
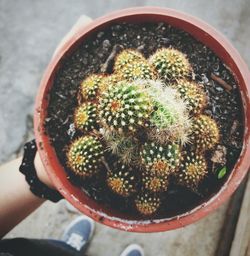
(16, 199)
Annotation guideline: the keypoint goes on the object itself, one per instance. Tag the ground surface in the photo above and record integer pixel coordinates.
(29, 32)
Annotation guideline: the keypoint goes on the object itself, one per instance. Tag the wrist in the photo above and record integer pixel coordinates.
(41, 173)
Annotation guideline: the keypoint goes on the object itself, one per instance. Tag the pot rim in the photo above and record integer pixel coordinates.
(51, 161)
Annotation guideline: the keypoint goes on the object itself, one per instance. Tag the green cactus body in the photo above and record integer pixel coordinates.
(163, 117)
(160, 160)
(126, 57)
(193, 94)
(85, 117)
(147, 203)
(137, 70)
(84, 156)
(192, 171)
(106, 82)
(170, 64)
(170, 120)
(121, 181)
(155, 183)
(90, 86)
(125, 107)
(205, 132)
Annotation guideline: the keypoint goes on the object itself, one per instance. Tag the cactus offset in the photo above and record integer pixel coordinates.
(121, 181)
(90, 86)
(106, 82)
(125, 147)
(192, 171)
(147, 203)
(193, 94)
(170, 64)
(155, 182)
(137, 70)
(160, 160)
(126, 57)
(85, 117)
(124, 107)
(84, 156)
(205, 132)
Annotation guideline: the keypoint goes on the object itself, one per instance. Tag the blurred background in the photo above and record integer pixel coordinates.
(29, 33)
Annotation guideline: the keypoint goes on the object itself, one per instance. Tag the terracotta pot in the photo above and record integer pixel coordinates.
(201, 31)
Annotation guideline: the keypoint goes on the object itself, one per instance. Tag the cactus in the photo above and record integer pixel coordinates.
(193, 94)
(125, 147)
(170, 64)
(155, 183)
(126, 57)
(205, 132)
(170, 119)
(90, 86)
(84, 156)
(160, 160)
(85, 117)
(124, 107)
(106, 82)
(147, 204)
(121, 181)
(137, 70)
(192, 171)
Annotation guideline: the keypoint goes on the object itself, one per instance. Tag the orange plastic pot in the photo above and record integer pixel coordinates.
(201, 31)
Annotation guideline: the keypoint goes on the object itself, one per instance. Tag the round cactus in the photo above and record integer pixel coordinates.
(192, 171)
(205, 132)
(170, 64)
(155, 183)
(84, 156)
(90, 86)
(170, 119)
(121, 181)
(147, 204)
(85, 117)
(124, 107)
(126, 57)
(137, 70)
(106, 82)
(193, 94)
(160, 160)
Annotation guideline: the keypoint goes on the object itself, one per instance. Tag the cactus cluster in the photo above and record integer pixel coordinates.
(193, 94)
(125, 107)
(205, 132)
(170, 64)
(85, 117)
(147, 203)
(121, 180)
(84, 156)
(192, 171)
(137, 124)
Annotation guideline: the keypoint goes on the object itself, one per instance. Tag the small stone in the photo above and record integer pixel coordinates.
(219, 155)
(100, 34)
(106, 43)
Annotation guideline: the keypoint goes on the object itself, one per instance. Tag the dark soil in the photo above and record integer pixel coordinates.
(224, 106)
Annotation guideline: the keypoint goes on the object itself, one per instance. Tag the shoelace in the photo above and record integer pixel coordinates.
(76, 241)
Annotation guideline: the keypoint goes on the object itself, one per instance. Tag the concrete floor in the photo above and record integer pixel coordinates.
(30, 31)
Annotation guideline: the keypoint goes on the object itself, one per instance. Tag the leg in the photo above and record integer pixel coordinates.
(74, 241)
